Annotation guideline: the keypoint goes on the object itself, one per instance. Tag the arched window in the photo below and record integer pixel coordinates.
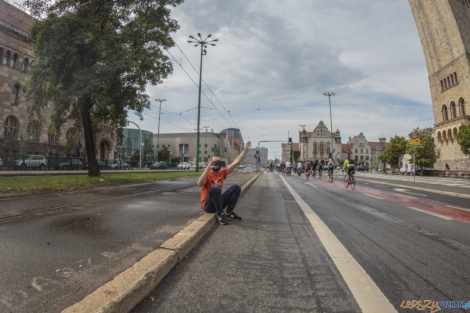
(445, 115)
(449, 134)
(6, 58)
(453, 110)
(13, 60)
(30, 66)
(439, 136)
(321, 147)
(11, 127)
(444, 135)
(315, 148)
(15, 95)
(455, 132)
(328, 148)
(1, 54)
(462, 107)
(25, 65)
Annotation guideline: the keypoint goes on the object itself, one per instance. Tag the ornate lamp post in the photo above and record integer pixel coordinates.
(203, 43)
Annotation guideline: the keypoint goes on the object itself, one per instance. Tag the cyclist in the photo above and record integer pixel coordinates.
(288, 168)
(331, 166)
(349, 168)
(299, 168)
(314, 167)
(320, 168)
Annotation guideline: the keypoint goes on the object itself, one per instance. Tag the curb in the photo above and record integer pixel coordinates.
(447, 193)
(128, 288)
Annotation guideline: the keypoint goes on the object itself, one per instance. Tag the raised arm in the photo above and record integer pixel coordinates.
(239, 158)
(203, 178)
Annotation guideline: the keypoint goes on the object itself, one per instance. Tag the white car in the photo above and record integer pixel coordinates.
(32, 161)
(183, 166)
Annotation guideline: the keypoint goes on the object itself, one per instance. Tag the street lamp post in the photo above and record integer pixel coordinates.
(158, 132)
(330, 94)
(203, 43)
(140, 144)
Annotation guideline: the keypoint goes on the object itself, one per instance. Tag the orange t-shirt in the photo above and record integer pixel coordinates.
(212, 179)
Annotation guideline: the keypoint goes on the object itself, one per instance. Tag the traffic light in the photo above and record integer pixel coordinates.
(290, 140)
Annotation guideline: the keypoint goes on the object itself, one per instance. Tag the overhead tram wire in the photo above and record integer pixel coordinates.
(203, 93)
(205, 83)
(167, 121)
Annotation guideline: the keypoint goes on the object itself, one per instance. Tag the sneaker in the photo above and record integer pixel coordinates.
(234, 216)
(222, 219)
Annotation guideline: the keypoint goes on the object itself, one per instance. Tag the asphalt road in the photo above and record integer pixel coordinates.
(275, 261)
(56, 248)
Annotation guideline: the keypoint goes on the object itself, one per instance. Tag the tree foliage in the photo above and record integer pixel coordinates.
(394, 150)
(426, 151)
(464, 138)
(95, 58)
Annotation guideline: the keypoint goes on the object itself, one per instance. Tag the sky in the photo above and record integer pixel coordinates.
(275, 59)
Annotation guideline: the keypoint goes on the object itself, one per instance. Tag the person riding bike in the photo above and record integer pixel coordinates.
(349, 168)
(331, 166)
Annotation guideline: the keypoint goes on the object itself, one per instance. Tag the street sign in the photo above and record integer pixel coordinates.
(414, 142)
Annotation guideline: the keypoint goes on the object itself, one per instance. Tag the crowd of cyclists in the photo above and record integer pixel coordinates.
(313, 168)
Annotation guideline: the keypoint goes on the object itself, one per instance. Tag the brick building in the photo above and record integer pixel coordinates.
(19, 135)
(444, 28)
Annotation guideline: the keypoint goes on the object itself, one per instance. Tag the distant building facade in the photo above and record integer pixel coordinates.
(128, 146)
(316, 145)
(19, 135)
(183, 145)
(444, 28)
(364, 152)
(288, 151)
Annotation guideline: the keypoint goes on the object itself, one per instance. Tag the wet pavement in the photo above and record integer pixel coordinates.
(62, 246)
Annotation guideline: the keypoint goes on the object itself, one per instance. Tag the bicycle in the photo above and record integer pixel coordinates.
(349, 180)
(330, 175)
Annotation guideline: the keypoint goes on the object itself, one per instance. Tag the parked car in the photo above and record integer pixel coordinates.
(242, 166)
(72, 164)
(183, 166)
(119, 165)
(32, 161)
(159, 165)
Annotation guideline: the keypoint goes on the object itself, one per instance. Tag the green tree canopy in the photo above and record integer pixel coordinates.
(426, 151)
(464, 138)
(95, 58)
(394, 150)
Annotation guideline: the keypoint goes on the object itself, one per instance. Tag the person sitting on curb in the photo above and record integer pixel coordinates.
(212, 181)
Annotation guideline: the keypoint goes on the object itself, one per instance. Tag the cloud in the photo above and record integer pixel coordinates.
(274, 59)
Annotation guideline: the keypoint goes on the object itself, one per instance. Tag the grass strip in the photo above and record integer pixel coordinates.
(31, 184)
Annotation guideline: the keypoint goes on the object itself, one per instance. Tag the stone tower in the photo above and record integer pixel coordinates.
(444, 29)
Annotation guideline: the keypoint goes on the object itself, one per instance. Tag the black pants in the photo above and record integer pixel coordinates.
(216, 201)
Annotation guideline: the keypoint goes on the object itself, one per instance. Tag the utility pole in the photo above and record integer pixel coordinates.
(203, 43)
(329, 94)
(205, 139)
(158, 133)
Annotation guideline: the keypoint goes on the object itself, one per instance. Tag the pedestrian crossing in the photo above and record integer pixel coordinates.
(442, 181)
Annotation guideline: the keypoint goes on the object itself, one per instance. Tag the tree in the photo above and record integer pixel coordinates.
(296, 156)
(464, 138)
(95, 58)
(163, 154)
(426, 151)
(394, 150)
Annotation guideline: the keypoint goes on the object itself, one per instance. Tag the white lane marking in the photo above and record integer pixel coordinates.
(409, 192)
(431, 213)
(311, 185)
(374, 197)
(364, 290)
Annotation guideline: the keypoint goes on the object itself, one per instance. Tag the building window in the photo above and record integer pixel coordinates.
(15, 95)
(355, 150)
(25, 65)
(13, 60)
(183, 148)
(453, 110)
(362, 150)
(34, 131)
(315, 148)
(6, 58)
(52, 135)
(11, 127)
(462, 107)
(445, 115)
(321, 147)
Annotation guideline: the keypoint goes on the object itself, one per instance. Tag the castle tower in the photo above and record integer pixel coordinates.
(444, 29)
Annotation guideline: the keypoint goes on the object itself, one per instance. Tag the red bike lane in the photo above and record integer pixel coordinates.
(432, 207)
